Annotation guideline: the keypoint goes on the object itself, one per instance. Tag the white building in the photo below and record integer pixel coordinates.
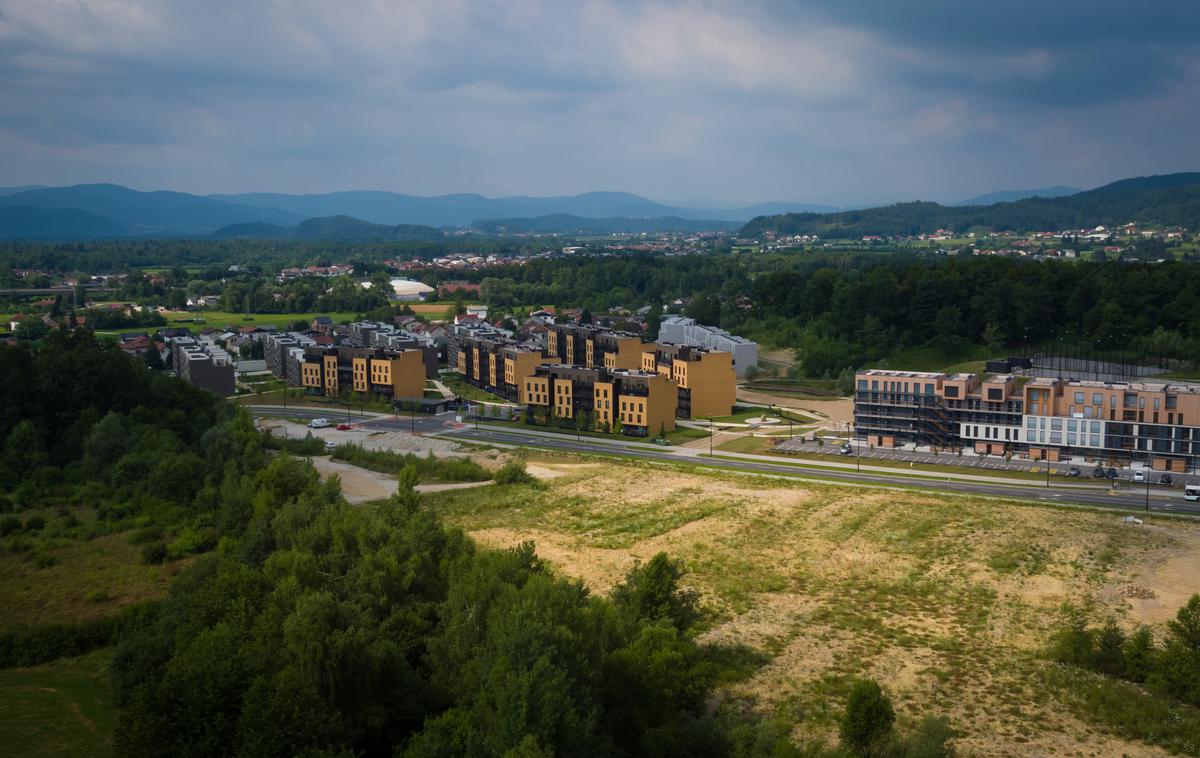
(681, 330)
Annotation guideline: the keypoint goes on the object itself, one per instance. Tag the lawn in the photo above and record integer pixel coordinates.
(934, 357)
(455, 383)
(948, 601)
(62, 708)
(743, 414)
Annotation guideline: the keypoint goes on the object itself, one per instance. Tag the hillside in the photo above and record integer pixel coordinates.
(147, 213)
(463, 209)
(330, 228)
(23, 222)
(1011, 196)
(1169, 200)
(564, 223)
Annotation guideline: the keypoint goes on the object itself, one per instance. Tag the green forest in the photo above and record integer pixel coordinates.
(1172, 200)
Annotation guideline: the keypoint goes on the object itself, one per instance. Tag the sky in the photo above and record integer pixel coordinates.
(844, 102)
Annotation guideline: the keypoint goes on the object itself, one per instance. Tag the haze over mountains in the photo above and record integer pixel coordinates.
(105, 211)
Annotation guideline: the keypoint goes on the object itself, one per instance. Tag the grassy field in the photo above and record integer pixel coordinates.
(223, 318)
(947, 601)
(964, 358)
(83, 579)
(62, 708)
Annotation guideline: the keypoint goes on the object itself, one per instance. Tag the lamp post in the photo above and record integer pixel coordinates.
(1147, 492)
(711, 431)
(1046, 453)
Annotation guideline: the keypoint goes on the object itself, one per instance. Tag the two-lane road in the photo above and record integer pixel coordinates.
(443, 425)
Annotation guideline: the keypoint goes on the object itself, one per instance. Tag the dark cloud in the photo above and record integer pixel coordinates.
(724, 102)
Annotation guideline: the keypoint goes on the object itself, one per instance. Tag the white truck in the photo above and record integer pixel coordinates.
(1191, 492)
(318, 423)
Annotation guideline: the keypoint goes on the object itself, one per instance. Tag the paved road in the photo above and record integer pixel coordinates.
(443, 425)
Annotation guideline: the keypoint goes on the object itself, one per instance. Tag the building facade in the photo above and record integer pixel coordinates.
(1153, 423)
(681, 330)
(629, 401)
(394, 374)
(705, 379)
(204, 365)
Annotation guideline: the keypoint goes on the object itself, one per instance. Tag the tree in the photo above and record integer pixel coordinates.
(651, 592)
(868, 720)
(1109, 655)
(1138, 655)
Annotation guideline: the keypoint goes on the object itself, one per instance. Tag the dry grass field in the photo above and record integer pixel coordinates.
(948, 602)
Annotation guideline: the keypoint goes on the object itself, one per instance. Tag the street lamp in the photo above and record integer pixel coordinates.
(1147, 492)
(710, 436)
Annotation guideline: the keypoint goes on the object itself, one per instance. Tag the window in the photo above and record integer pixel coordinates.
(862, 384)
(1141, 403)
(874, 385)
(1095, 427)
(1087, 411)
(1070, 438)
(995, 394)
(1095, 440)
(1055, 438)
(1157, 403)
(1072, 425)
(929, 390)
(1112, 401)
(951, 391)
(1056, 424)
(1034, 395)
(1097, 398)
(1030, 422)
(1079, 397)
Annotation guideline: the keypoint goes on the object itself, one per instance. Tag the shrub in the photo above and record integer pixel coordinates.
(428, 468)
(8, 525)
(513, 472)
(868, 720)
(145, 535)
(191, 540)
(154, 553)
(35, 524)
(44, 560)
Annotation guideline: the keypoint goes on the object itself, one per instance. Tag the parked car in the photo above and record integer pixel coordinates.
(1111, 473)
(845, 449)
(318, 423)
(343, 427)
(330, 447)
(1139, 476)
(1165, 479)
(1098, 472)
(1074, 471)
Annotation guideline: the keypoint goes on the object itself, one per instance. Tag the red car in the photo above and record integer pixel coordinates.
(343, 427)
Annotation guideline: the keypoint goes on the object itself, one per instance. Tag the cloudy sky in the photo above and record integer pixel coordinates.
(834, 101)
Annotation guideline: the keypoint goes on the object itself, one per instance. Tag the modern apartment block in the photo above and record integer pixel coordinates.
(1154, 423)
(681, 330)
(284, 353)
(203, 364)
(704, 378)
(593, 346)
(331, 370)
(488, 359)
(635, 403)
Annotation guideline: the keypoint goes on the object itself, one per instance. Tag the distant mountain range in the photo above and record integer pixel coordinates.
(464, 209)
(1169, 200)
(99, 211)
(1011, 196)
(110, 210)
(565, 223)
(331, 228)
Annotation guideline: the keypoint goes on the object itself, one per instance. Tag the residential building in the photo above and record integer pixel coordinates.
(488, 359)
(1151, 423)
(636, 403)
(203, 364)
(705, 379)
(681, 330)
(332, 370)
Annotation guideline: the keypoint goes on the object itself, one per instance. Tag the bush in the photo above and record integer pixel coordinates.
(145, 535)
(191, 540)
(428, 468)
(8, 525)
(44, 560)
(868, 720)
(514, 472)
(154, 553)
(28, 646)
(35, 524)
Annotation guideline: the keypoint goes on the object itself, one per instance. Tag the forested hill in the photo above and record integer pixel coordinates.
(331, 228)
(1169, 200)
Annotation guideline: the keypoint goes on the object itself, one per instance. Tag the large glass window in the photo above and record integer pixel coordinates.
(1070, 438)
(1056, 423)
(1030, 422)
(1055, 438)
(1095, 440)
(1079, 397)
(1097, 398)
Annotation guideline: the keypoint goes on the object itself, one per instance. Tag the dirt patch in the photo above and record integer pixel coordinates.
(1163, 580)
(833, 413)
(358, 484)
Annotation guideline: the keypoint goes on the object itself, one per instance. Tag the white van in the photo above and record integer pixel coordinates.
(1191, 492)
(318, 423)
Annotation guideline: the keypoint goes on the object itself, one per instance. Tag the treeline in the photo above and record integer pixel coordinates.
(1145, 201)
(1170, 669)
(844, 311)
(268, 255)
